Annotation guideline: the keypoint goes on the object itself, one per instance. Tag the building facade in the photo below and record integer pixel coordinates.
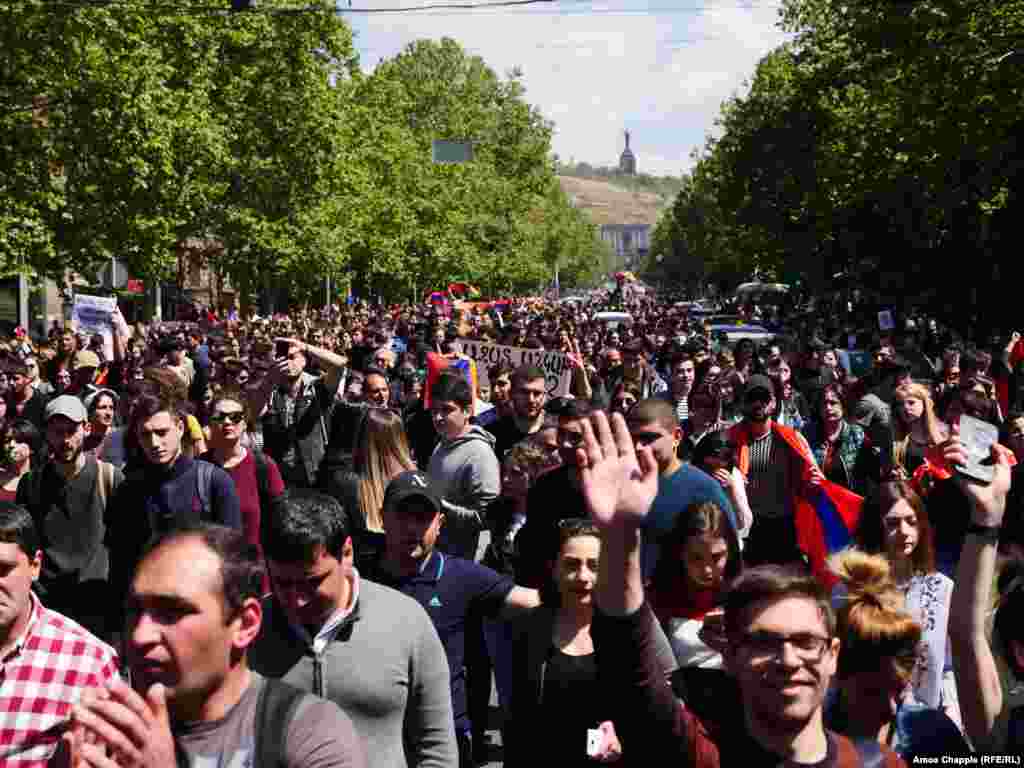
(630, 242)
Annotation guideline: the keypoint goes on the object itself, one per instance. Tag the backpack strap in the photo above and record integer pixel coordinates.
(274, 711)
(104, 481)
(204, 483)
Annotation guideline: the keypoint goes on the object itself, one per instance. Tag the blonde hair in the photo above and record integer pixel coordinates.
(873, 624)
(901, 432)
(381, 451)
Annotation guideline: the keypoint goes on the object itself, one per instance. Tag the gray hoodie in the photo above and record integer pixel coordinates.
(466, 474)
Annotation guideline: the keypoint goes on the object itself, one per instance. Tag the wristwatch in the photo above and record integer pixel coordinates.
(987, 532)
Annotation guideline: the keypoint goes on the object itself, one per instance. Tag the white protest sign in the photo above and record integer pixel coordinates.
(92, 315)
(557, 369)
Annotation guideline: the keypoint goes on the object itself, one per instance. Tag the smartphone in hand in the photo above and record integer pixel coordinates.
(978, 437)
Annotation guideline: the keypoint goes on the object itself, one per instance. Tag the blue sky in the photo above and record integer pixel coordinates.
(660, 69)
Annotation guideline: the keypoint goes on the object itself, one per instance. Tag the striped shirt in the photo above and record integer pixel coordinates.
(683, 409)
(769, 485)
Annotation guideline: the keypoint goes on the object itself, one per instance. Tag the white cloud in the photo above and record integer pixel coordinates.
(597, 69)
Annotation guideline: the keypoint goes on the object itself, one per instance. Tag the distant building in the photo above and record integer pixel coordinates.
(627, 161)
(631, 242)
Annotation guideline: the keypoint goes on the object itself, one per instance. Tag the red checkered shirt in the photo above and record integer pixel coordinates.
(53, 663)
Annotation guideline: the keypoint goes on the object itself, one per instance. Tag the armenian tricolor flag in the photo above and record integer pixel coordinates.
(825, 515)
(438, 364)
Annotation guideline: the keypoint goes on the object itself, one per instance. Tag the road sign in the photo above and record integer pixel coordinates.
(452, 152)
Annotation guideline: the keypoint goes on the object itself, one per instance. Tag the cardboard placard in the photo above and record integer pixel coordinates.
(556, 367)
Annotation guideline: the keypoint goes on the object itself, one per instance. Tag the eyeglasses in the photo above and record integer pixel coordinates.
(768, 645)
(234, 417)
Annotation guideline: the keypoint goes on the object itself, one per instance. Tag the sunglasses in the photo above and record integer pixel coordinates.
(235, 417)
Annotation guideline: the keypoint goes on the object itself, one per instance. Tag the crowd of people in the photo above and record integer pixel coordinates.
(312, 540)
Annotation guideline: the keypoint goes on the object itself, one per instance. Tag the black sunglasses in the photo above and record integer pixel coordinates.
(235, 417)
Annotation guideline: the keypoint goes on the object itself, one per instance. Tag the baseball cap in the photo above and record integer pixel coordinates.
(409, 485)
(759, 382)
(68, 406)
(86, 359)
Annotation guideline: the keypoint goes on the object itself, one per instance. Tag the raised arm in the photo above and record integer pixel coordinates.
(619, 485)
(974, 665)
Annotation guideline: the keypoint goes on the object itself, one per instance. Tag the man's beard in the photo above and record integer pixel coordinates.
(75, 453)
(754, 417)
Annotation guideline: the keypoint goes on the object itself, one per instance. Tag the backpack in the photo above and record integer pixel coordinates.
(204, 486)
(275, 709)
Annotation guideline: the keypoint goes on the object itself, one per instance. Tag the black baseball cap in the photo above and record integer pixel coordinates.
(408, 485)
(758, 382)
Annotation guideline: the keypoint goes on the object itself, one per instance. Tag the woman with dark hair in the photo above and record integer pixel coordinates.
(791, 408)
(21, 442)
(894, 523)
(256, 476)
(556, 696)
(625, 395)
(713, 455)
(840, 448)
(730, 392)
(745, 354)
(698, 561)
(102, 408)
(704, 408)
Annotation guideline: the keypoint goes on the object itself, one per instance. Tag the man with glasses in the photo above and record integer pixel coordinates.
(652, 425)
(780, 639)
(529, 393)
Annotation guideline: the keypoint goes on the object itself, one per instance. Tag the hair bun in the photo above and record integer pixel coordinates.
(868, 579)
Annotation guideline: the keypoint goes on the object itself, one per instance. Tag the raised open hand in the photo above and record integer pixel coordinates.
(619, 482)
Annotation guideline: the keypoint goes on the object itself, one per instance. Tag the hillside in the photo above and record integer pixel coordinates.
(606, 203)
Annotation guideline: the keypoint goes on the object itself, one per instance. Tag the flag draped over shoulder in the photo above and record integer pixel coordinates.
(825, 515)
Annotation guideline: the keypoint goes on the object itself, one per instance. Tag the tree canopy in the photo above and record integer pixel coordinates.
(126, 129)
(880, 142)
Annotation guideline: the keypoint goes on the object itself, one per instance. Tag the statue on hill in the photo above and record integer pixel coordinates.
(627, 161)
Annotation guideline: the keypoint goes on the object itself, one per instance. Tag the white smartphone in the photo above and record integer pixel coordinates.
(595, 742)
(978, 438)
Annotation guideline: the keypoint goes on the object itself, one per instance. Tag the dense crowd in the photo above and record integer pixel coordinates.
(316, 539)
